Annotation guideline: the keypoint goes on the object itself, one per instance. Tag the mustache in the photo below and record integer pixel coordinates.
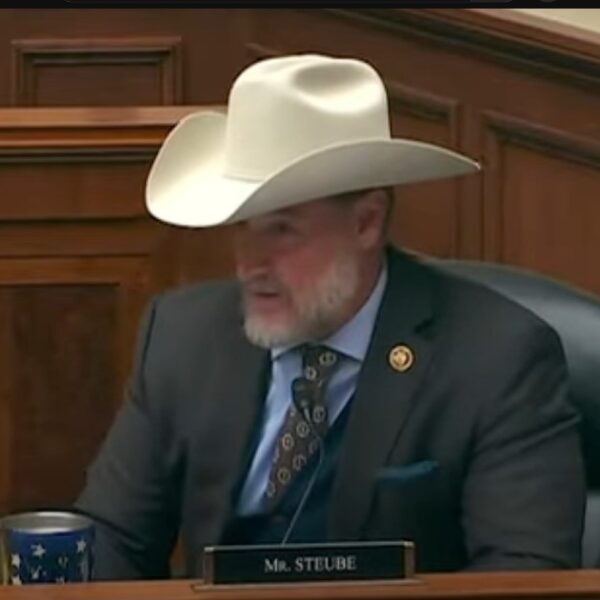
(261, 285)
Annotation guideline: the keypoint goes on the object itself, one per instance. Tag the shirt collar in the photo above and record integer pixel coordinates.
(353, 338)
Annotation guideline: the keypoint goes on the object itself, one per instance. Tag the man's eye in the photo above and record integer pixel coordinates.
(283, 228)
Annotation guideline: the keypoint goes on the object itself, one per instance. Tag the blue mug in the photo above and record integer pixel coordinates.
(46, 547)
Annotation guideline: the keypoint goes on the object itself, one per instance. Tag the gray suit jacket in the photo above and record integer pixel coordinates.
(485, 399)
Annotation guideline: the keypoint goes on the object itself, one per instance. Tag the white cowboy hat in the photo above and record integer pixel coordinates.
(297, 128)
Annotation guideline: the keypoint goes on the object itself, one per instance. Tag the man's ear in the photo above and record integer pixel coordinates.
(371, 212)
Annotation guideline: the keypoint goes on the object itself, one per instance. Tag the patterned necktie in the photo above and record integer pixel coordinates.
(297, 440)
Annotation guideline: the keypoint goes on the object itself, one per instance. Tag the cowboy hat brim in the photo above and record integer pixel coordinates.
(188, 185)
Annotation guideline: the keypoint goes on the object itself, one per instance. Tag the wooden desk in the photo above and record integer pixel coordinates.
(565, 585)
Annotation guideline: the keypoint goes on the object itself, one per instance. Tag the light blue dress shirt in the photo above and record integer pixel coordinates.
(352, 341)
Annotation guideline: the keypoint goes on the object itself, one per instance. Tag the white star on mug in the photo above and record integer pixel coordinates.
(38, 550)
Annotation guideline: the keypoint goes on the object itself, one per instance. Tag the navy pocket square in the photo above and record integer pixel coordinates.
(408, 473)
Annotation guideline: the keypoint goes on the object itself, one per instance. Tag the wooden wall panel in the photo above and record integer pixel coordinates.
(425, 215)
(96, 72)
(68, 331)
(69, 190)
(63, 340)
(119, 57)
(79, 258)
(553, 225)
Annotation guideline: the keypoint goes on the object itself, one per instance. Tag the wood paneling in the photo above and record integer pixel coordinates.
(551, 226)
(425, 215)
(63, 338)
(124, 57)
(517, 41)
(72, 189)
(96, 72)
(79, 258)
(68, 328)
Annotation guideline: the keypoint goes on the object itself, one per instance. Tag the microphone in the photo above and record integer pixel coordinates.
(302, 405)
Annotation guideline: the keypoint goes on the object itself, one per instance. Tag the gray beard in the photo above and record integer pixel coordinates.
(316, 312)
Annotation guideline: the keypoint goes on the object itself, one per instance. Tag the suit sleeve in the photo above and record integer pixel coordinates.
(131, 487)
(524, 495)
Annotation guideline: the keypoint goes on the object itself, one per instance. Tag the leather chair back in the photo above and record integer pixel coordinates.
(575, 315)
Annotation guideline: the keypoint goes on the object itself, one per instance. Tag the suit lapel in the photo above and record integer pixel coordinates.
(384, 395)
(238, 389)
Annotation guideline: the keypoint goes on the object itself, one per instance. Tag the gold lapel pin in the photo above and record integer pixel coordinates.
(401, 358)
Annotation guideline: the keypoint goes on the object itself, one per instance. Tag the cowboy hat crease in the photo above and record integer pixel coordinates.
(297, 128)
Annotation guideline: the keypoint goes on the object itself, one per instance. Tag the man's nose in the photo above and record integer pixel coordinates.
(251, 253)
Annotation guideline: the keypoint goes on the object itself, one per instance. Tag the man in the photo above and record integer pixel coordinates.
(339, 389)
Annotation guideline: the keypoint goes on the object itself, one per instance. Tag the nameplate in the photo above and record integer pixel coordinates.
(347, 561)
